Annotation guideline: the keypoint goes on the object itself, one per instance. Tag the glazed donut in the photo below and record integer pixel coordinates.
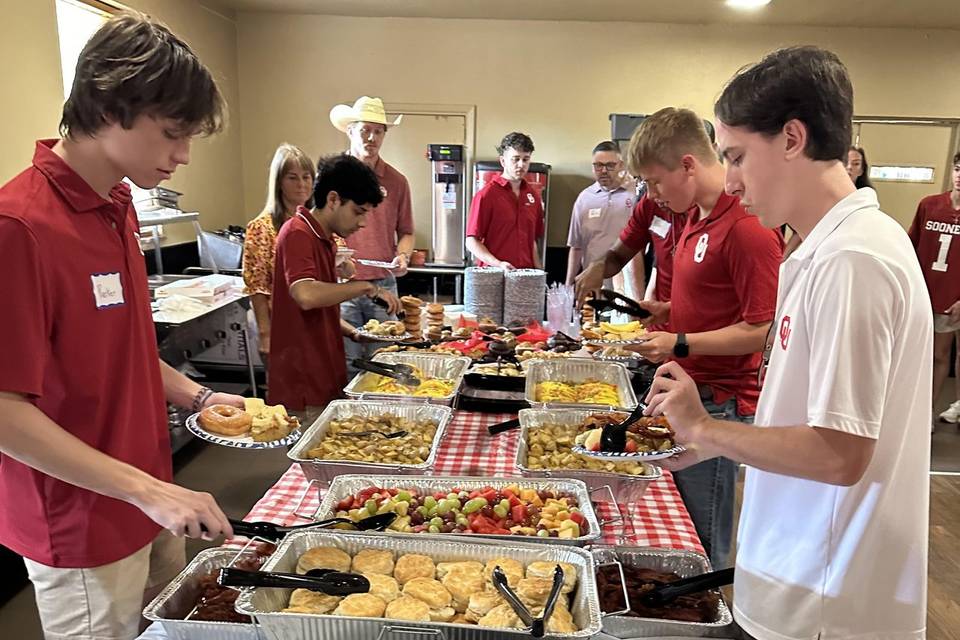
(225, 420)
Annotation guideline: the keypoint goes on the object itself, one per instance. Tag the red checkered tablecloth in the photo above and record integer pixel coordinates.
(658, 520)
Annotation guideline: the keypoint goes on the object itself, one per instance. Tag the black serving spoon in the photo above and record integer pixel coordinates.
(665, 592)
(402, 373)
(271, 531)
(333, 583)
(613, 437)
(500, 427)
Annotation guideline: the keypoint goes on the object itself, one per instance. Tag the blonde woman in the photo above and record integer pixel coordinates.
(289, 185)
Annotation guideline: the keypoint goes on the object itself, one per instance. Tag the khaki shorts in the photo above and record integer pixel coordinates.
(105, 602)
(943, 323)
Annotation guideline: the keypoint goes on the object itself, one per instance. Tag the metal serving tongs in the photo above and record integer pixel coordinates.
(402, 373)
(614, 301)
(274, 532)
(333, 583)
(536, 626)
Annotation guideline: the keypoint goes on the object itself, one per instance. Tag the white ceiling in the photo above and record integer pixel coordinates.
(916, 14)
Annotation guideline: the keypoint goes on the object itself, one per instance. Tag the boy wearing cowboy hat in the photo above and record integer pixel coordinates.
(388, 236)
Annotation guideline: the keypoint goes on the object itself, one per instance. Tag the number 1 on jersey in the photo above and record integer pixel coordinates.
(941, 263)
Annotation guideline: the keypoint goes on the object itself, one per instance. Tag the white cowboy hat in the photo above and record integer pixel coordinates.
(365, 109)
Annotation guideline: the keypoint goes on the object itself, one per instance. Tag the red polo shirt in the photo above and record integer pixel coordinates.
(725, 271)
(307, 361)
(507, 225)
(650, 223)
(935, 234)
(392, 218)
(78, 341)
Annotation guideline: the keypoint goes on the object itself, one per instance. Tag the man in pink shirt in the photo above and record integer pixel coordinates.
(388, 236)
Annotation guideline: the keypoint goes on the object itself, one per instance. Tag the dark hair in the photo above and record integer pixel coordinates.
(863, 180)
(607, 145)
(132, 66)
(515, 140)
(806, 83)
(349, 177)
(956, 158)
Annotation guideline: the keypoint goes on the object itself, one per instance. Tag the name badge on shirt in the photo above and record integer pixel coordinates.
(593, 213)
(660, 226)
(107, 289)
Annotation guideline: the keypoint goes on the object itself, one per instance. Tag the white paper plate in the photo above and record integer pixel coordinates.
(238, 442)
(377, 263)
(614, 343)
(612, 456)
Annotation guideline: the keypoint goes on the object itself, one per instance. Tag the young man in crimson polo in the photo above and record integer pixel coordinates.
(935, 234)
(307, 359)
(722, 299)
(85, 460)
(506, 216)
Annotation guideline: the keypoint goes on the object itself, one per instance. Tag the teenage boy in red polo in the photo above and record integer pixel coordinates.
(722, 299)
(506, 216)
(307, 360)
(85, 460)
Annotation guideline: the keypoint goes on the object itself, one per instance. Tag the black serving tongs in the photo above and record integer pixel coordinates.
(333, 583)
(500, 427)
(665, 592)
(380, 302)
(537, 626)
(402, 373)
(613, 301)
(271, 531)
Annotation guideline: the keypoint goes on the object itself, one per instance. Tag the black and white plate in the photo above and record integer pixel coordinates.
(614, 343)
(406, 335)
(640, 456)
(238, 442)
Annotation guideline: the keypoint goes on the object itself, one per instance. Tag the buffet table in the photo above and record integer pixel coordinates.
(659, 519)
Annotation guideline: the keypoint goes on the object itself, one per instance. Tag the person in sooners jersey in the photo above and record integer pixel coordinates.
(935, 233)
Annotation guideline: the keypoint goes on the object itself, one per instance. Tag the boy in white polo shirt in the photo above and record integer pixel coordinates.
(832, 541)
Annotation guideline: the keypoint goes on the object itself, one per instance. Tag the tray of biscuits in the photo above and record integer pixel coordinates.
(427, 585)
(256, 426)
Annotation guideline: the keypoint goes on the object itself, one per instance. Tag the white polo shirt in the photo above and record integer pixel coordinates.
(852, 351)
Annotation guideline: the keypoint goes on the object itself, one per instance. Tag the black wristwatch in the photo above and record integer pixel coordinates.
(681, 349)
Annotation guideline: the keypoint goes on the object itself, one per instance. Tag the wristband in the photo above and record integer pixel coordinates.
(201, 398)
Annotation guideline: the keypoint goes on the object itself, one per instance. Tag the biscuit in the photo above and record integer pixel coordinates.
(307, 601)
(443, 568)
(430, 591)
(461, 619)
(385, 587)
(324, 558)
(373, 561)
(413, 565)
(361, 605)
(561, 620)
(534, 592)
(510, 567)
(545, 570)
(480, 604)
(463, 583)
(407, 608)
(501, 616)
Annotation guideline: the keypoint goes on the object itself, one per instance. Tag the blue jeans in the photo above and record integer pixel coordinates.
(709, 490)
(357, 312)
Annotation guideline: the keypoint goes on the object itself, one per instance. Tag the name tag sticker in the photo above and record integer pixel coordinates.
(107, 289)
(594, 213)
(660, 226)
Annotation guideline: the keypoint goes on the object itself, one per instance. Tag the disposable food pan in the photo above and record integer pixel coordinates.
(431, 365)
(575, 371)
(683, 563)
(179, 597)
(327, 470)
(346, 486)
(625, 488)
(265, 605)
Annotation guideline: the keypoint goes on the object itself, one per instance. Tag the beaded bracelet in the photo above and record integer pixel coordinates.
(201, 398)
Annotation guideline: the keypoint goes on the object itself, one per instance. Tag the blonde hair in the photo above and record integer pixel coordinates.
(285, 157)
(665, 137)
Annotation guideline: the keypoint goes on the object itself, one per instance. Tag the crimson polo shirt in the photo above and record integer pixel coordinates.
(392, 218)
(725, 271)
(507, 225)
(649, 223)
(78, 341)
(308, 365)
(935, 234)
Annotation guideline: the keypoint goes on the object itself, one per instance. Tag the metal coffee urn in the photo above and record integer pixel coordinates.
(449, 204)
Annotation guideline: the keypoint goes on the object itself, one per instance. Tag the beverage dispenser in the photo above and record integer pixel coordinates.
(449, 204)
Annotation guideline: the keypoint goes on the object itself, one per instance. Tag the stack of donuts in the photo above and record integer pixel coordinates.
(435, 321)
(412, 306)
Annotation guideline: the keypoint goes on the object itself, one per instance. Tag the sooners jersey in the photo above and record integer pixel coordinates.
(935, 234)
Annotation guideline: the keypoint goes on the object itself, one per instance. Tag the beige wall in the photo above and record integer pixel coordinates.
(32, 99)
(557, 81)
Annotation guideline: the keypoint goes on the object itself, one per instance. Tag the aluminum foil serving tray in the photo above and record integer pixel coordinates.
(578, 370)
(432, 365)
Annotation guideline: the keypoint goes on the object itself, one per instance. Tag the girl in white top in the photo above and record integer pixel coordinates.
(832, 542)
